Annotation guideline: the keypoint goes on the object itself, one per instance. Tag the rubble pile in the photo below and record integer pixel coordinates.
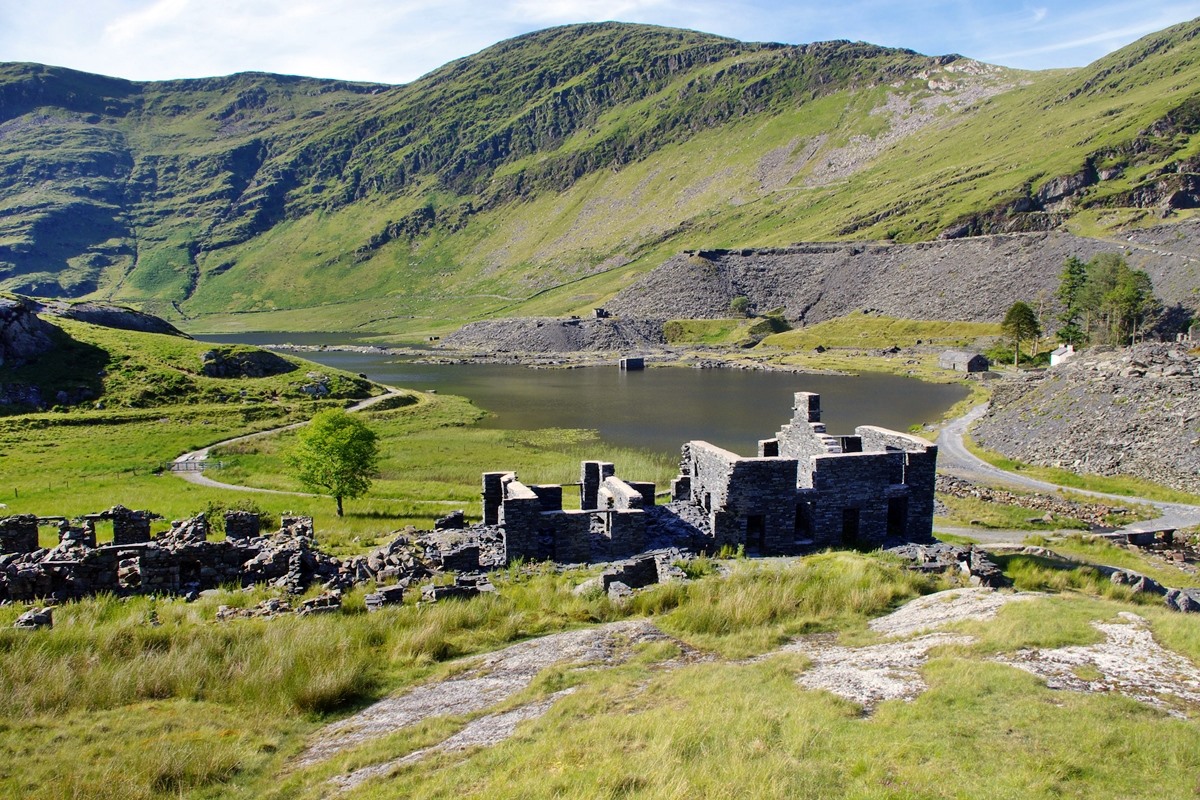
(1094, 514)
(182, 560)
(939, 557)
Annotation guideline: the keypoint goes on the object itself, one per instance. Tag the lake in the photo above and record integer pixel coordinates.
(656, 409)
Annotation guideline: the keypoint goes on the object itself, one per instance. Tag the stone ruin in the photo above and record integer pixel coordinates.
(808, 489)
(804, 490)
(609, 523)
(182, 560)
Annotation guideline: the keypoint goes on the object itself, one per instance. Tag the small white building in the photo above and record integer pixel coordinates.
(1062, 354)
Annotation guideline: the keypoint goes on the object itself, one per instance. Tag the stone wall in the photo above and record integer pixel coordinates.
(750, 501)
(19, 534)
(920, 474)
(521, 517)
(807, 488)
(180, 560)
(572, 537)
(616, 493)
(591, 475)
(853, 493)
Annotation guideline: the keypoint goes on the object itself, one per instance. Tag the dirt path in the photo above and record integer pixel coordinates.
(189, 466)
(955, 459)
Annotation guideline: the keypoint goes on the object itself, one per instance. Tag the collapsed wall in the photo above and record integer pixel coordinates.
(181, 560)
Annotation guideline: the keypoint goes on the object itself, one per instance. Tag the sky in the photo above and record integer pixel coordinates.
(395, 41)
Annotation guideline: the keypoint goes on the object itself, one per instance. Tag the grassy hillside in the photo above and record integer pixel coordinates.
(100, 367)
(547, 172)
(180, 705)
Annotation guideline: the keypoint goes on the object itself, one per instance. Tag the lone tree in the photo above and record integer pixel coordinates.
(335, 454)
(1020, 323)
(740, 305)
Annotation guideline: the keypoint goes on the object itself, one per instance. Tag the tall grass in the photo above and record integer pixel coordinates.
(763, 603)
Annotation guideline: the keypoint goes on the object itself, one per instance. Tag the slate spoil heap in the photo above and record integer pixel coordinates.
(1125, 412)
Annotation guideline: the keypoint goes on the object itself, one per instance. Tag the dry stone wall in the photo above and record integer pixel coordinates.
(182, 560)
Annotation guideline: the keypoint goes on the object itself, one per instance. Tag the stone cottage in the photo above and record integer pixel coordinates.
(963, 361)
(807, 489)
(804, 490)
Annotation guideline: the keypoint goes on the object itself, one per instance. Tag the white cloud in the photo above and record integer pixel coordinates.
(136, 26)
(397, 40)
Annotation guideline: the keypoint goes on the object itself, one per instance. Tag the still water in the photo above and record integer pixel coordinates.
(658, 409)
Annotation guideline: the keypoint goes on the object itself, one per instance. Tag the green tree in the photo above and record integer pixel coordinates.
(335, 454)
(1116, 301)
(740, 305)
(1072, 281)
(1020, 324)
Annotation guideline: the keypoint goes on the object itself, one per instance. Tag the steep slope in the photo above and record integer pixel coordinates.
(547, 172)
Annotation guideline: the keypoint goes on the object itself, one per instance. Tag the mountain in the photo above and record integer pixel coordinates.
(549, 172)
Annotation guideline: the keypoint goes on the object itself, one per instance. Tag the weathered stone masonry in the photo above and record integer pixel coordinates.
(809, 489)
(610, 521)
(804, 490)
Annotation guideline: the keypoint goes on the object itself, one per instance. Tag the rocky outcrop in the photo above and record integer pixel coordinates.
(108, 315)
(1132, 412)
(964, 279)
(549, 335)
(238, 362)
(22, 335)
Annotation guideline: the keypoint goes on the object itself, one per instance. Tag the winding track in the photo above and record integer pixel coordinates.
(955, 459)
(198, 477)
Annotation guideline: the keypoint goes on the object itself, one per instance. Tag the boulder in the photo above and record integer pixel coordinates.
(35, 618)
(1139, 583)
(23, 336)
(1183, 600)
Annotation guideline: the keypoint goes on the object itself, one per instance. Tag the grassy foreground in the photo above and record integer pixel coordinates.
(177, 705)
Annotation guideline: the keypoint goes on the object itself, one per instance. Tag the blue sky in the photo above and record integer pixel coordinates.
(394, 41)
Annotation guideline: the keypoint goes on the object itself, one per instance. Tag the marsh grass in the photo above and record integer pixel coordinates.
(190, 707)
(763, 603)
(1039, 574)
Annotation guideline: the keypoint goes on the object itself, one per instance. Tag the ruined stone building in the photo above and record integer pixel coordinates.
(805, 490)
(609, 523)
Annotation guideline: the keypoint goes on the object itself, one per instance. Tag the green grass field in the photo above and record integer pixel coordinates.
(180, 706)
